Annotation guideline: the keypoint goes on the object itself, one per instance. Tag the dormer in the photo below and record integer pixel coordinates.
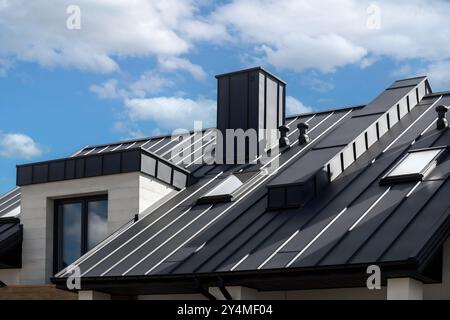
(70, 205)
(345, 144)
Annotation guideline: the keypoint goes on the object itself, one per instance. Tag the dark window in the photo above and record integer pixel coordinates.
(80, 224)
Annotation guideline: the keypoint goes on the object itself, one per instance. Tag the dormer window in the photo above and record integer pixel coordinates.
(414, 166)
(223, 192)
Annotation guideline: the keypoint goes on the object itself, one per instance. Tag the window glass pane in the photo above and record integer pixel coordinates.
(414, 162)
(226, 187)
(97, 222)
(71, 232)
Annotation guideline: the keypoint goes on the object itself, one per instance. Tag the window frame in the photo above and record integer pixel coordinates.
(413, 177)
(58, 226)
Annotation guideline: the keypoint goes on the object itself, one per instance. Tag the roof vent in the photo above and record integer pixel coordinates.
(442, 121)
(284, 139)
(303, 130)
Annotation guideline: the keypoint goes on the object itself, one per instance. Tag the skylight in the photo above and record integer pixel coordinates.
(413, 166)
(224, 191)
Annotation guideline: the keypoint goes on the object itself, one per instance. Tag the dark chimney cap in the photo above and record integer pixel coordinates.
(261, 69)
(442, 108)
(303, 125)
(283, 128)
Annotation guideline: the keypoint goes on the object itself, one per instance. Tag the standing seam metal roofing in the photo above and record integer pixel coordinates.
(10, 203)
(211, 179)
(184, 238)
(159, 145)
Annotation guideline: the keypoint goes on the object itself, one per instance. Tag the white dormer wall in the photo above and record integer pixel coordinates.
(128, 194)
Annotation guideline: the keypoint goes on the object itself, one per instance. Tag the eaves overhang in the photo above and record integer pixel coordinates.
(330, 277)
(111, 163)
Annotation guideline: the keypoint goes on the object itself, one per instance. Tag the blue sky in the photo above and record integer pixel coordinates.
(148, 67)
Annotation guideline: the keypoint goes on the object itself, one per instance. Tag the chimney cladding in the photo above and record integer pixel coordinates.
(251, 99)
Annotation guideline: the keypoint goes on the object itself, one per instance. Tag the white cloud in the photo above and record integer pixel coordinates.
(299, 52)
(439, 75)
(149, 82)
(317, 83)
(173, 63)
(106, 90)
(19, 146)
(5, 65)
(128, 130)
(295, 106)
(172, 112)
(328, 34)
(296, 35)
(36, 31)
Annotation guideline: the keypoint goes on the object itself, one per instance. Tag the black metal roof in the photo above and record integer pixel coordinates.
(352, 221)
(161, 146)
(10, 243)
(10, 203)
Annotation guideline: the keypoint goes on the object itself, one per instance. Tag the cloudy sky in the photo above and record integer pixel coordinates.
(123, 69)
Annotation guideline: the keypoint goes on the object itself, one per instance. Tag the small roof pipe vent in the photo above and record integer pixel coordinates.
(284, 139)
(442, 121)
(303, 130)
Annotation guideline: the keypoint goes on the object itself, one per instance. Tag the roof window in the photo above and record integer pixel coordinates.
(414, 166)
(224, 191)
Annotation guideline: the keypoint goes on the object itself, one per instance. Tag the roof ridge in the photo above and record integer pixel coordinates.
(356, 106)
(136, 140)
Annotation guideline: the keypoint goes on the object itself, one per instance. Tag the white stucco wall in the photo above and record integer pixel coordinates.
(128, 194)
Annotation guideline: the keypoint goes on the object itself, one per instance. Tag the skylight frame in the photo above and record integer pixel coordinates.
(210, 197)
(389, 179)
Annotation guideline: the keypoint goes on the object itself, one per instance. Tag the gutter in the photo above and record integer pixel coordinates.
(190, 283)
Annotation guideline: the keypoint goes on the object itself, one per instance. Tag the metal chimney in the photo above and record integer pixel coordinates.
(251, 99)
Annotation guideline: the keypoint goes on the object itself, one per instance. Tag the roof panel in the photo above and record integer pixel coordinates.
(407, 82)
(10, 203)
(345, 247)
(218, 238)
(243, 235)
(424, 226)
(386, 233)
